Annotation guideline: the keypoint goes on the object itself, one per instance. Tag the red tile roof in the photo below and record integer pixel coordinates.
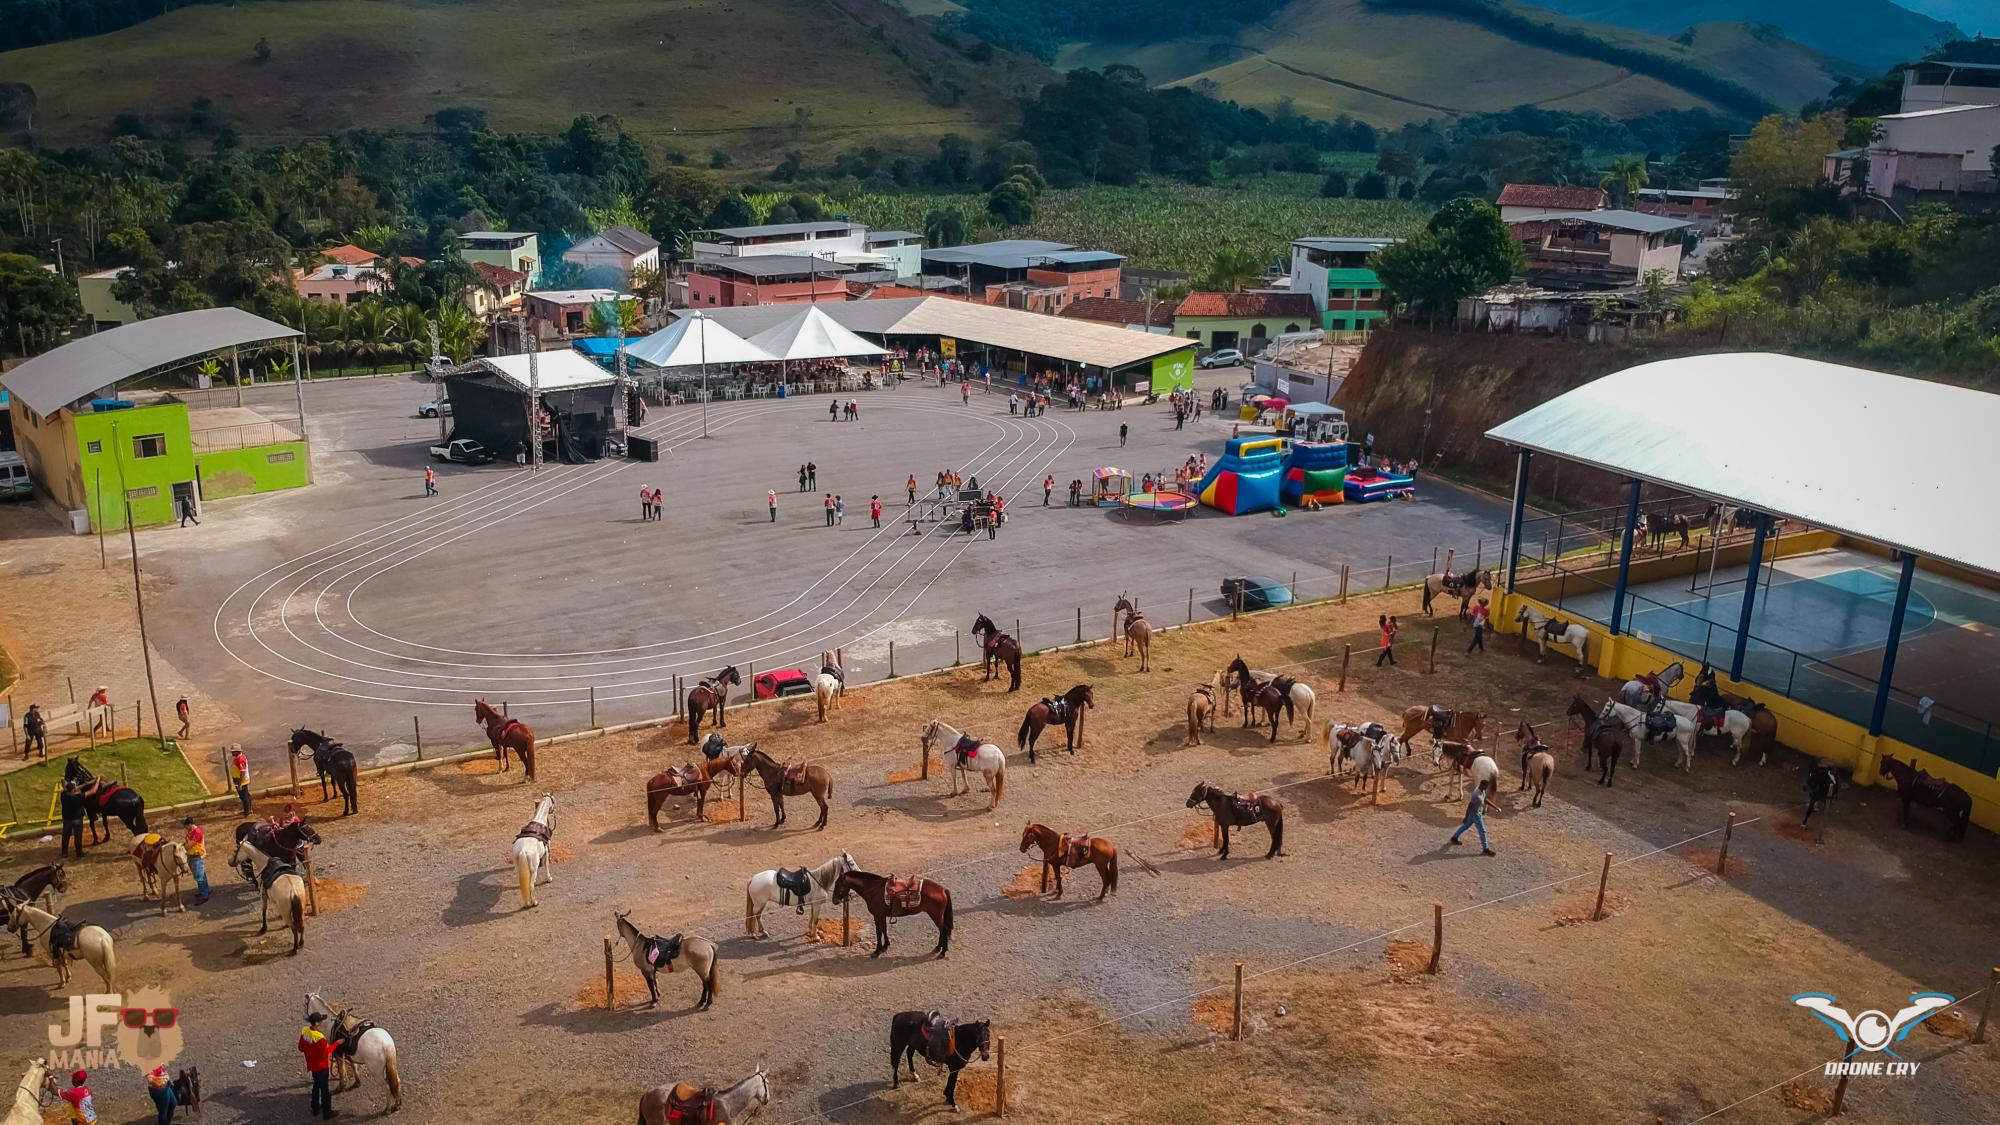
(499, 275)
(348, 254)
(1554, 196)
(1295, 305)
(1113, 310)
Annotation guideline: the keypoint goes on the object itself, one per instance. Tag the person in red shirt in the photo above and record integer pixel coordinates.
(1481, 615)
(875, 510)
(82, 1109)
(318, 1050)
(100, 710)
(1048, 486)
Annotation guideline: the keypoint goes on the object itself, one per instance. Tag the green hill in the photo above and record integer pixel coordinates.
(748, 76)
(1394, 64)
(1878, 33)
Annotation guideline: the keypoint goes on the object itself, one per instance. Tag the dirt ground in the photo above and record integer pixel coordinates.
(1672, 1007)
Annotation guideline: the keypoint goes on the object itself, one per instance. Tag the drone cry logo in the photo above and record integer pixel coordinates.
(145, 1026)
(1873, 1031)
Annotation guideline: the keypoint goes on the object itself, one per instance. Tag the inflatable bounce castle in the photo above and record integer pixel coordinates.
(1246, 477)
(1315, 470)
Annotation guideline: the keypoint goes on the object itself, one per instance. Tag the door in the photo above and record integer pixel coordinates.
(184, 491)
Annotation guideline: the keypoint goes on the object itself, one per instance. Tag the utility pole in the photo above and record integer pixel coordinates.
(622, 397)
(534, 403)
(138, 595)
(437, 365)
(59, 257)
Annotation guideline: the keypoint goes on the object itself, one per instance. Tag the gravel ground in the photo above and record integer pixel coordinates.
(1672, 1007)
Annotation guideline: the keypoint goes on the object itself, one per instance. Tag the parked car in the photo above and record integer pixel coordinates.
(784, 682)
(1221, 357)
(434, 408)
(465, 451)
(15, 483)
(1258, 593)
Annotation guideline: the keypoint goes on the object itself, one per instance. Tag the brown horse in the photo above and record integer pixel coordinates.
(1202, 704)
(1608, 738)
(1460, 586)
(1763, 721)
(1060, 851)
(789, 780)
(997, 650)
(1232, 810)
(1660, 525)
(888, 896)
(695, 778)
(711, 693)
(506, 734)
(1537, 764)
(1442, 724)
(1274, 696)
(1138, 634)
(1915, 786)
(1067, 708)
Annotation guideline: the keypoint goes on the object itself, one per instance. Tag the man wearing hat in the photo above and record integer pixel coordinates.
(82, 1109)
(318, 1050)
(197, 857)
(100, 710)
(239, 777)
(1481, 615)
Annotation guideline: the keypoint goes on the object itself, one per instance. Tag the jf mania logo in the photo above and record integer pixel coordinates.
(138, 1029)
(1873, 1032)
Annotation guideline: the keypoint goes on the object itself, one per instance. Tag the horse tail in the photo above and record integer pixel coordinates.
(1021, 736)
(944, 926)
(714, 973)
(299, 913)
(110, 964)
(1427, 595)
(524, 870)
(749, 913)
(392, 1075)
(1111, 875)
(999, 781)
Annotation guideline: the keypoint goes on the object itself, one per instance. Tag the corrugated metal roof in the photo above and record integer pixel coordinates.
(1636, 221)
(778, 230)
(1346, 245)
(53, 380)
(1896, 461)
(773, 265)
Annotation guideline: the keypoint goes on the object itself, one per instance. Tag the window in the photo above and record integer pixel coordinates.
(150, 445)
(279, 458)
(1259, 331)
(95, 447)
(1291, 328)
(141, 493)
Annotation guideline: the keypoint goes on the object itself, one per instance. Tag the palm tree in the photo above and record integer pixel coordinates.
(370, 329)
(1232, 268)
(608, 318)
(413, 326)
(1624, 178)
(944, 227)
(459, 332)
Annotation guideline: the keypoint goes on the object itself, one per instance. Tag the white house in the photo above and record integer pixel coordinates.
(899, 250)
(610, 257)
(1945, 149)
(839, 241)
(1935, 85)
(1600, 249)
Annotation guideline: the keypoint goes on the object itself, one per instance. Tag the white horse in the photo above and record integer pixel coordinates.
(1572, 635)
(1635, 722)
(988, 759)
(93, 944)
(531, 850)
(763, 890)
(1368, 755)
(731, 1104)
(371, 1047)
(278, 880)
(1302, 696)
(1484, 770)
(830, 686)
(1735, 724)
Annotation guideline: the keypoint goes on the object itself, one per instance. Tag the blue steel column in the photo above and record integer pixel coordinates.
(1749, 597)
(1625, 559)
(1514, 521)
(1881, 710)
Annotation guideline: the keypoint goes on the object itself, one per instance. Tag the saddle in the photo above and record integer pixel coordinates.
(274, 871)
(685, 777)
(1710, 718)
(1660, 726)
(694, 1107)
(904, 892)
(711, 685)
(1375, 731)
(661, 951)
(62, 936)
(535, 830)
(1076, 851)
(104, 792)
(147, 850)
(1283, 685)
(1245, 806)
(347, 1035)
(1439, 719)
(830, 670)
(713, 746)
(1058, 708)
(795, 778)
(265, 839)
(1206, 691)
(1555, 627)
(966, 747)
(939, 1038)
(1348, 737)
(1452, 583)
(794, 886)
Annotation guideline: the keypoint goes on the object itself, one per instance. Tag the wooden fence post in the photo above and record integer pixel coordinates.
(139, 722)
(1237, 610)
(1978, 1034)
(1597, 914)
(610, 986)
(121, 773)
(1000, 1078)
(1343, 583)
(847, 918)
(1437, 937)
(593, 704)
(1079, 624)
(1236, 1028)
(1478, 554)
(14, 812)
(312, 879)
(1190, 616)
(956, 660)
(1434, 560)
(1839, 1097)
(1388, 571)
(504, 712)
(292, 767)
(892, 659)
(1722, 856)
(1346, 651)
(1435, 630)
(417, 724)
(1295, 586)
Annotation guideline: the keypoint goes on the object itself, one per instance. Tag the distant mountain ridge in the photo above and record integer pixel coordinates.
(1877, 33)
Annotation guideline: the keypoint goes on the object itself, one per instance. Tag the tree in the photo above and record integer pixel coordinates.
(1406, 190)
(1397, 163)
(944, 227)
(1465, 249)
(608, 318)
(1780, 162)
(1334, 186)
(459, 332)
(369, 329)
(648, 282)
(1371, 186)
(1623, 179)
(1011, 203)
(1232, 268)
(39, 305)
(619, 212)
(732, 210)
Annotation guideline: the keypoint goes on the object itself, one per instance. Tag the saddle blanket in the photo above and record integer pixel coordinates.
(904, 893)
(535, 830)
(1058, 709)
(1076, 850)
(967, 746)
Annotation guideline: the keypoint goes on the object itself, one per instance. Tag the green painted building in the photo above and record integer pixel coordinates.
(1336, 274)
(1242, 320)
(144, 455)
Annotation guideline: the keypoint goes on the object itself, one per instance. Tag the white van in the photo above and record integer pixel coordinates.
(15, 483)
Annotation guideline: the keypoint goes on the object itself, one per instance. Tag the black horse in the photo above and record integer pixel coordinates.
(104, 800)
(1822, 785)
(332, 760)
(949, 1045)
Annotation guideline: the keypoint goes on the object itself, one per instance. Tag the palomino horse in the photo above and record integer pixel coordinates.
(947, 1045)
(65, 941)
(789, 780)
(531, 850)
(1138, 634)
(1370, 748)
(1441, 723)
(1233, 810)
(801, 887)
(105, 800)
(1608, 738)
(359, 1043)
(967, 754)
(651, 954)
(1763, 721)
(333, 762)
(1461, 586)
(45, 882)
(711, 694)
(1665, 726)
(830, 686)
(1060, 851)
(1537, 764)
(1822, 785)
(892, 896)
(279, 879)
(1915, 786)
(1467, 759)
(682, 1104)
(997, 650)
(1202, 704)
(161, 861)
(1067, 709)
(695, 778)
(1239, 676)
(506, 734)
(1556, 630)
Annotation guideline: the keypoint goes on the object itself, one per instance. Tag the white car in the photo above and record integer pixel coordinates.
(1221, 357)
(433, 409)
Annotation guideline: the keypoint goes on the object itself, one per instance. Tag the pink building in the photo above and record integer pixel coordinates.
(767, 279)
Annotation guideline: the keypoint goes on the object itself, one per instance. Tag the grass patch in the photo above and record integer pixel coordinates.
(162, 776)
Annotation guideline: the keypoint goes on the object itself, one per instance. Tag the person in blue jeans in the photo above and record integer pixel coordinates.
(1475, 817)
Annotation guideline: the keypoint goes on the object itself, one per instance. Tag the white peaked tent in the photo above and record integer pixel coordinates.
(812, 335)
(695, 340)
